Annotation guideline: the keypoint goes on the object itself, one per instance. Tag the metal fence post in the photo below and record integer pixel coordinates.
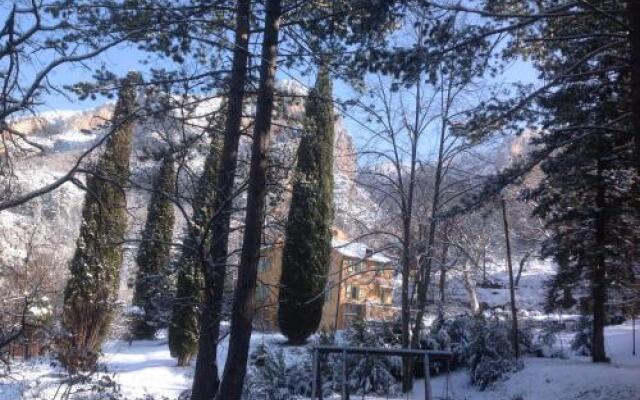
(344, 375)
(316, 370)
(427, 378)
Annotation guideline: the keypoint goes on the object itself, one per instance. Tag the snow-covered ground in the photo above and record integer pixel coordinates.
(559, 379)
(145, 367)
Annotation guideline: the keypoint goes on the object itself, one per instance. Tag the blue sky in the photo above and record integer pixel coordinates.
(125, 58)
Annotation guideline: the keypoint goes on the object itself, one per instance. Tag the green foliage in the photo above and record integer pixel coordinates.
(582, 343)
(366, 374)
(545, 343)
(183, 326)
(588, 194)
(454, 335)
(268, 377)
(372, 374)
(490, 356)
(307, 249)
(91, 291)
(152, 279)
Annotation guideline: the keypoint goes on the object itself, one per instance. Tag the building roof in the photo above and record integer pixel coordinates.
(357, 250)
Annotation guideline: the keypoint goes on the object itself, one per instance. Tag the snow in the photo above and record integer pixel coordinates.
(357, 250)
(554, 378)
(145, 367)
(73, 140)
(530, 292)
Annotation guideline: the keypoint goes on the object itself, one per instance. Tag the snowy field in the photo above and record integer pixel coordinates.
(145, 367)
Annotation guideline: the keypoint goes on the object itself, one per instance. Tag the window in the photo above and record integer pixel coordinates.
(355, 266)
(353, 292)
(385, 296)
(261, 293)
(264, 263)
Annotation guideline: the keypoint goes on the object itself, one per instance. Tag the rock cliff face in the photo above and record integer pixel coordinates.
(345, 152)
(517, 151)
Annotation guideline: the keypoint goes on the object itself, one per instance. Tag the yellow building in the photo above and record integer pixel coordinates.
(359, 286)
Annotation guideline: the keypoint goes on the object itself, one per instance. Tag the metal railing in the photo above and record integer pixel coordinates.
(427, 356)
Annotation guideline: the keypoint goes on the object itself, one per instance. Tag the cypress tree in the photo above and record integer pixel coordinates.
(185, 314)
(91, 291)
(307, 249)
(153, 254)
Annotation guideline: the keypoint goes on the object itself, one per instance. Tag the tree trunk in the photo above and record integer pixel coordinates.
(514, 310)
(598, 284)
(443, 281)
(633, 19)
(205, 381)
(244, 297)
(484, 264)
(470, 288)
(407, 217)
(523, 261)
(406, 310)
(426, 260)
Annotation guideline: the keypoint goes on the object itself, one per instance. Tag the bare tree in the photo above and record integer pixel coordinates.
(411, 152)
(514, 310)
(35, 42)
(28, 304)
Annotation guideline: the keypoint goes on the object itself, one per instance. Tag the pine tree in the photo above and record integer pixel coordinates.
(91, 291)
(184, 326)
(587, 195)
(205, 378)
(267, 376)
(489, 353)
(307, 250)
(153, 255)
(243, 308)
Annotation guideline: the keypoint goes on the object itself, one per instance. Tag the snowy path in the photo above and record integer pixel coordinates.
(146, 367)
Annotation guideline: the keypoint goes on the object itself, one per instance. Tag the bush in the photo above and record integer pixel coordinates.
(270, 378)
(267, 377)
(379, 375)
(526, 339)
(454, 335)
(490, 352)
(581, 343)
(544, 344)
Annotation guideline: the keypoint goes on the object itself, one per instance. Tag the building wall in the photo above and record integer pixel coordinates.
(373, 299)
(329, 310)
(362, 295)
(269, 272)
